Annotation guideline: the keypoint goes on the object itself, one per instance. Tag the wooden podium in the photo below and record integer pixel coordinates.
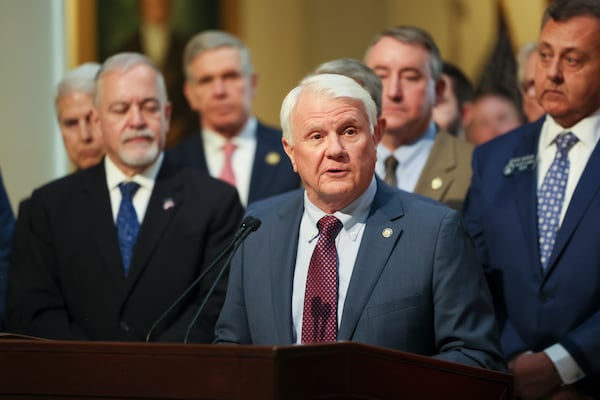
(39, 369)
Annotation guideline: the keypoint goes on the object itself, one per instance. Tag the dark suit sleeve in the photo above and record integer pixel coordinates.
(226, 214)
(473, 215)
(465, 326)
(7, 222)
(35, 304)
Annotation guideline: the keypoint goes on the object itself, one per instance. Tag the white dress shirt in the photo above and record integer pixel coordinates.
(411, 159)
(242, 159)
(588, 132)
(141, 198)
(354, 218)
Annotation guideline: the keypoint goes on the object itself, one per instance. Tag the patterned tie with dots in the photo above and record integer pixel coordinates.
(319, 318)
(551, 195)
(128, 225)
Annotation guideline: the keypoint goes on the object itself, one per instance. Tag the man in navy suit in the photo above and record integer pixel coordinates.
(75, 281)
(545, 276)
(220, 85)
(404, 275)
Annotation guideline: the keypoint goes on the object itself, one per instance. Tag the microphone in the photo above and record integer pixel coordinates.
(249, 224)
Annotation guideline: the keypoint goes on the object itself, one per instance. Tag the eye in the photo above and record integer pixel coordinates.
(571, 61)
(119, 108)
(70, 123)
(151, 106)
(350, 132)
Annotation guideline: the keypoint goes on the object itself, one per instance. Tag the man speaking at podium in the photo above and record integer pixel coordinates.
(112, 246)
(350, 258)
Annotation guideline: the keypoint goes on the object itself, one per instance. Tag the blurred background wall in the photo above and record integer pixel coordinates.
(41, 40)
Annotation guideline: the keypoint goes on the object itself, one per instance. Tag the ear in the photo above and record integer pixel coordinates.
(440, 87)
(379, 129)
(466, 112)
(253, 82)
(94, 118)
(289, 150)
(189, 95)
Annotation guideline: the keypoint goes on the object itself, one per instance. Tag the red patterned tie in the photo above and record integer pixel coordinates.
(227, 174)
(319, 319)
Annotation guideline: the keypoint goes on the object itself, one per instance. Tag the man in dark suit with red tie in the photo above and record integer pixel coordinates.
(102, 267)
(232, 144)
(533, 210)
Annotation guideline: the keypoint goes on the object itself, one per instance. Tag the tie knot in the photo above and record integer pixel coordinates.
(391, 163)
(329, 226)
(229, 147)
(565, 141)
(128, 189)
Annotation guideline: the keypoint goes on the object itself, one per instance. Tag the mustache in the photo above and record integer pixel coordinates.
(137, 133)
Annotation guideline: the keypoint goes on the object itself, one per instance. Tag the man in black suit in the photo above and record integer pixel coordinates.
(220, 85)
(79, 281)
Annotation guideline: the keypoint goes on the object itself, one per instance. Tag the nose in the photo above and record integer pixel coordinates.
(554, 70)
(335, 146)
(219, 87)
(393, 89)
(136, 117)
(85, 130)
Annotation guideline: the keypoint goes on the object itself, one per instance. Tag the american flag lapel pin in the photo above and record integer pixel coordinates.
(168, 204)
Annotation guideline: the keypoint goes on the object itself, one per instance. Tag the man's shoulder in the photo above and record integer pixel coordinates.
(269, 130)
(74, 180)
(274, 204)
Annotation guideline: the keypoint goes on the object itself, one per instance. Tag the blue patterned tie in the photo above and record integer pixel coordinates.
(551, 195)
(127, 223)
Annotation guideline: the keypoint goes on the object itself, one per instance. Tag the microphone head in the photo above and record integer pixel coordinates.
(251, 222)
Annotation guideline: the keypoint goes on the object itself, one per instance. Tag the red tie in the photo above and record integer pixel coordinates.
(319, 319)
(227, 174)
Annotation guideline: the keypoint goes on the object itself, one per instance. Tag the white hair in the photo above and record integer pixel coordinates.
(333, 86)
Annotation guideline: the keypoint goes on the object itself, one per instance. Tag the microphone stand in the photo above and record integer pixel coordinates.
(249, 224)
(214, 285)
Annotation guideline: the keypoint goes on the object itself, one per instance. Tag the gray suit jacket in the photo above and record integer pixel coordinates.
(419, 290)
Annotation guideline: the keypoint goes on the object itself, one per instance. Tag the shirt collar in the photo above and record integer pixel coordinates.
(114, 176)
(587, 130)
(215, 141)
(408, 151)
(353, 216)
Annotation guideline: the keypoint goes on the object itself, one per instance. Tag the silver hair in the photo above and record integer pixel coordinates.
(524, 53)
(78, 80)
(331, 86)
(358, 71)
(124, 62)
(414, 35)
(210, 40)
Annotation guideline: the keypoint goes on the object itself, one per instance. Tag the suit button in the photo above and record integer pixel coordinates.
(544, 297)
(125, 326)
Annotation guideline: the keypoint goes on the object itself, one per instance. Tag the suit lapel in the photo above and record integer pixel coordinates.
(98, 212)
(165, 201)
(282, 258)
(375, 249)
(265, 159)
(524, 191)
(587, 188)
(436, 177)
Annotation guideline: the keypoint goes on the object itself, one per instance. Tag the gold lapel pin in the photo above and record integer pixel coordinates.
(436, 183)
(387, 232)
(272, 158)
